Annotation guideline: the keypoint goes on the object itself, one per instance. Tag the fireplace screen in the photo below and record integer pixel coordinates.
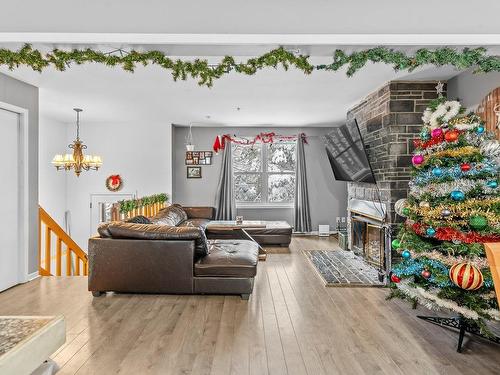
(374, 246)
(368, 242)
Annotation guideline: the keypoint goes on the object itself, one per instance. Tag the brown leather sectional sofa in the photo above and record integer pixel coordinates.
(170, 255)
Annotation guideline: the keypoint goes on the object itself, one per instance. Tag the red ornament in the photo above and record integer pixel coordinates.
(114, 182)
(466, 276)
(426, 274)
(451, 135)
(395, 279)
(465, 167)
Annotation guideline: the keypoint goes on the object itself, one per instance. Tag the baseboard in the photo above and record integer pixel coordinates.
(32, 276)
(313, 233)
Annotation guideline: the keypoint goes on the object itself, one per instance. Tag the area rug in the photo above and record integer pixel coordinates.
(340, 268)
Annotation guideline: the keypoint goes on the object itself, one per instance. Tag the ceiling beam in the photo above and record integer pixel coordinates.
(255, 39)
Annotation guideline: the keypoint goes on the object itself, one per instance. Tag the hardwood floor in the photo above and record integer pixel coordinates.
(290, 325)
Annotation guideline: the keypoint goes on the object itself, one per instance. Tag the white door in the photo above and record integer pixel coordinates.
(10, 225)
(100, 208)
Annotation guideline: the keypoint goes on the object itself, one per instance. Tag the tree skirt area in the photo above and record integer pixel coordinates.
(342, 268)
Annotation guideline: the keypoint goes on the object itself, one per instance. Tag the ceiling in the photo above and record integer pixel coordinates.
(239, 28)
(269, 98)
(252, 17)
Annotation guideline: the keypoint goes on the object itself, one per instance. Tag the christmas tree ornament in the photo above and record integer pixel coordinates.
(426, 274)
(478, 222)
(396, 244)
(480, 130)
(417, 159)
(395, 279)
(406, 254)
(436, 133)
(437, 172)
(431, 232)
(406, 212)
(399, 207)
(445, 212)
(465, 167)
(424, 204)
(451, 136)
(424, 135)
(492, 184)
(466, 276)
(457, 195)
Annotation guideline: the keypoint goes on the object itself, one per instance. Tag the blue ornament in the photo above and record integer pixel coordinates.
(480, 129)
(492, 184)
(436, 171)
(425, 136)
(430, 232)
(406, 254)
(457, 195)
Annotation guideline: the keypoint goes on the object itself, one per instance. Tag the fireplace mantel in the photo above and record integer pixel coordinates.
(373, 210)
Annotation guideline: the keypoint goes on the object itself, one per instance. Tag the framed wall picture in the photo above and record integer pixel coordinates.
(198, 157)
(193, 172)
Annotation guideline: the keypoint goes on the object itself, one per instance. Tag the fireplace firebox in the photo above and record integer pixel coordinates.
(369, 237)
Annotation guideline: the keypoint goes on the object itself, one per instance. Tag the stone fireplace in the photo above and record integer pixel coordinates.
(389, 119)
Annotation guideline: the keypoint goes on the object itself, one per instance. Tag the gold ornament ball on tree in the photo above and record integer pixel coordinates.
(424, 204)
(466, 276)
(478, 222)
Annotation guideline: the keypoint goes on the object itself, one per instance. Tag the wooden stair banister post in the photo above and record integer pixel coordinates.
(52, 228)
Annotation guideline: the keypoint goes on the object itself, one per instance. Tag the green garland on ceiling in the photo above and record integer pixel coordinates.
(206, 73)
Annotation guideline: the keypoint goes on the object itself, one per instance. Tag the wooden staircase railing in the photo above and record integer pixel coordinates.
(75, 259)
(148, 210)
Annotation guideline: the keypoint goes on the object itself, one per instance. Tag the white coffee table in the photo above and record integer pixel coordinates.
(27, 341)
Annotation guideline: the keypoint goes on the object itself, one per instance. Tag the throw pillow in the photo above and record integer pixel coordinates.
(139, 219)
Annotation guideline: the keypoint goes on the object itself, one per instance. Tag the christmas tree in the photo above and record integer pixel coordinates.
(453, 207)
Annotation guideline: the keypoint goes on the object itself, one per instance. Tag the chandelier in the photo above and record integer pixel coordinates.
(77, 160)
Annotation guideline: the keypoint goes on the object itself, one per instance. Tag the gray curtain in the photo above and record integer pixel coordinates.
(302, 215)
(224, 201)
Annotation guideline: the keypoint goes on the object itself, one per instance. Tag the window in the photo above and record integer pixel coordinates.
(264, 173)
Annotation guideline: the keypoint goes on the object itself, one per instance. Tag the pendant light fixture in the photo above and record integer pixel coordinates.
(77, 160)
(189, 140)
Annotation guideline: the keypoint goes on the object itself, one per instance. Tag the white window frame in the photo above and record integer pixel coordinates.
(265, 175)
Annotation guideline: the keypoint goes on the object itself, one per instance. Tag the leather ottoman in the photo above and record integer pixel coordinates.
(271, 233)
(229, 268)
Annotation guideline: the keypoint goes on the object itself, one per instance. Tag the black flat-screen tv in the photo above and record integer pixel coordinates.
(347, 155)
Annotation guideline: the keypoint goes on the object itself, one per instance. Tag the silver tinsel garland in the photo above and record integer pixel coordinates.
(430, 300)
(445, 188)
(472, 139)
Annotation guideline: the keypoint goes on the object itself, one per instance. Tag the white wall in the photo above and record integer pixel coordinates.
(327, 197)
(471, 88)
(52, 183)
(140, 153)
